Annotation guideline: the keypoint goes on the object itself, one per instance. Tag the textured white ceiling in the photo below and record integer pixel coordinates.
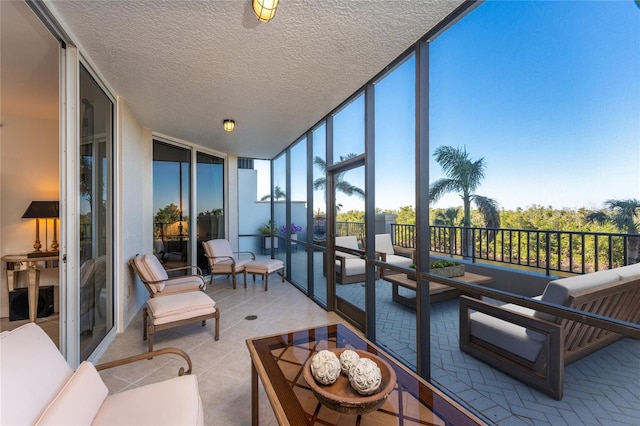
(184, 66)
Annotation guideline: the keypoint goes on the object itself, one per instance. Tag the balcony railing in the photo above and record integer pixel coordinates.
(562, 251)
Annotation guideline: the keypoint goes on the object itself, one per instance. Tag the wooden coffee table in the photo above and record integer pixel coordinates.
(278, 361)
(437, 291)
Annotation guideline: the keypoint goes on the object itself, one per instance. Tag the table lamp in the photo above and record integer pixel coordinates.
(44, 210)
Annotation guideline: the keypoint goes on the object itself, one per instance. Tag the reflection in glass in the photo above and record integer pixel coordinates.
(171, 195)
(96, 141)
(279, 203)
(209, 202)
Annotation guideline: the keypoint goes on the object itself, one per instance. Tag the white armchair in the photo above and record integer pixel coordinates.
(39, 388)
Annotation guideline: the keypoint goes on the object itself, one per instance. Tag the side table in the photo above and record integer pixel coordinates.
(17, 263)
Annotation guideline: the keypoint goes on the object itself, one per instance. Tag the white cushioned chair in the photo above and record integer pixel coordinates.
(39, 388)
(349, 267)
(156, 278)
(224, 261)
(386, 252)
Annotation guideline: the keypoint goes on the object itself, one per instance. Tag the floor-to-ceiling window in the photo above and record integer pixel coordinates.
(395, 189)
(96, 313)
(209, 202)
(296, 229)
(171, 203)
(318, 231)
(279, 195)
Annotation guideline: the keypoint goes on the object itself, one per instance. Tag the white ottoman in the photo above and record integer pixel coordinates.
(176, 309)
(264, 268)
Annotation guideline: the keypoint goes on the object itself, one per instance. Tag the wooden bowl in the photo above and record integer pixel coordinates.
(341, 397)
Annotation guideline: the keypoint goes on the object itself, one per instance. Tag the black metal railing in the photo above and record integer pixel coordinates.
(562, 251)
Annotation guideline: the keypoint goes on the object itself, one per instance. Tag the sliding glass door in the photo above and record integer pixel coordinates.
(96, 313)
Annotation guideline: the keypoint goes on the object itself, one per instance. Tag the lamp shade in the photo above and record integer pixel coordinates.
(42, 210)
(265, 10)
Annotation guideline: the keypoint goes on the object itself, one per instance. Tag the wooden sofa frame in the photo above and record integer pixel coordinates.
(565, 341)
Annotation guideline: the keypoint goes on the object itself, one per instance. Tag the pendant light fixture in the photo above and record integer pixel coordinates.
(265, 10)
(228, 125)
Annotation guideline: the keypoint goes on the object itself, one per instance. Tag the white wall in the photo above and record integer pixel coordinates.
(135, 200)
(29, 171)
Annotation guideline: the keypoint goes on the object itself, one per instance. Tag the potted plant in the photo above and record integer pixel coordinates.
(444, 268)
(293, 228)
(267, 230)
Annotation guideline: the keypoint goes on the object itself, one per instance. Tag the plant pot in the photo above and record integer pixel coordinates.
(447, 271)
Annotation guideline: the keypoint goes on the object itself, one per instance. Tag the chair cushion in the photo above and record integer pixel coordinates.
(224, 266)
(217, 248)
(266, 266)
(171, 402)
(394, 259)
(383, 244)
(350, 242)
(79, 401)
(152, 270)
(182, 284)
(180, 306)
(355, 266)
(33, 371)
(558, 291)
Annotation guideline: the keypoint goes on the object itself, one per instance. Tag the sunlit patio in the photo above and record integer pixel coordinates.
(602, 388)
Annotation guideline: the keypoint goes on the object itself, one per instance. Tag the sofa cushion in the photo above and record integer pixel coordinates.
(79, 401)
(558, 291)
(628, 272)
(170, 402)
(33, 371)
(503, 334)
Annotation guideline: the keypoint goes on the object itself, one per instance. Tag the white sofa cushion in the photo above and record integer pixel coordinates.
(627, 272)
(33, 371)
(170, 402)
(558, 291)
(79, 400)
(402, 261)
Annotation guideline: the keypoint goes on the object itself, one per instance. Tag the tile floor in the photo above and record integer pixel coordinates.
(223, 367)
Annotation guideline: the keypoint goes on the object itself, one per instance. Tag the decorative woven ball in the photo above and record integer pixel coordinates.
(325, 367)
(348, 358)
(365, 376)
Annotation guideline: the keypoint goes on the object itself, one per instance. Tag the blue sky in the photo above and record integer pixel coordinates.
(548, 92)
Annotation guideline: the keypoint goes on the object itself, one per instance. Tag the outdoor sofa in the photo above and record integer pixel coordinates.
(534, 346)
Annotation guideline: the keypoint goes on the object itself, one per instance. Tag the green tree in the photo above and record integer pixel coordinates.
(168, 214)
(341, 185)
(464, 177)
(625, 216)
(447, 217)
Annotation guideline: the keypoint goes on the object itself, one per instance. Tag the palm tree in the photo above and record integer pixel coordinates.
(341, 185)
(277, 194)
(624, 215)
(449, 217)
(464, 177)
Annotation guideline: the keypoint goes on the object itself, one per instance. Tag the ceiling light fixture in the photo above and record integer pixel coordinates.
(265, 10)
(228, 125)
